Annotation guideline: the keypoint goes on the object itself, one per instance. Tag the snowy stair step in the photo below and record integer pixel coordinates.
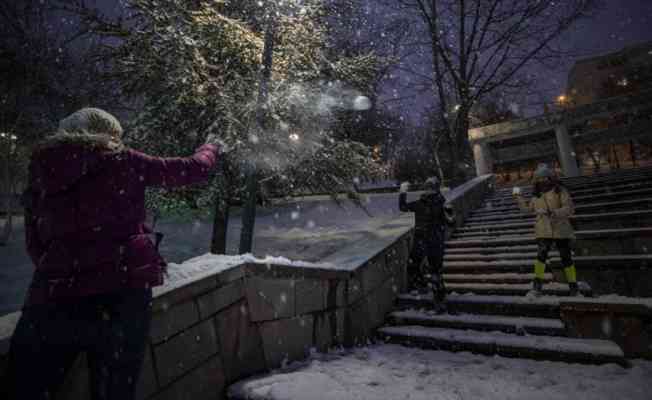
(526, 306)
(496, 240)
(534, 326)
(514, 232)
(495, 257)
(592, 351)
(472, 225)
(605, 200)
(491, 250)
(493, 211)
(523, 265)
(624, 186)
(506, 289)
(513, 217)
(493, 227)
(523, 240)
(617, 194)
(619, 261)
(623, 205)
(588, 192)
(620, 215)
(494, 278)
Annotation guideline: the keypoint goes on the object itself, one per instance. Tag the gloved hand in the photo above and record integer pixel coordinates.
(404, 187)
(215, 140)
(541, 211)
(516, 191)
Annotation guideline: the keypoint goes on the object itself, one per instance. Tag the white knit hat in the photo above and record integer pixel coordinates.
(93, 121)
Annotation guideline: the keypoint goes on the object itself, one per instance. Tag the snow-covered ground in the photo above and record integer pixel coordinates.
(395, 372)
(310, 230)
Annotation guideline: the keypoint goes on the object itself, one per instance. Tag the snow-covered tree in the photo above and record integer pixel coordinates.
(196, 72)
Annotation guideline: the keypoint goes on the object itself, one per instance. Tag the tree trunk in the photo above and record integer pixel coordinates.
(249, 211)
(460, 147)
(7, 229)
(220, 226)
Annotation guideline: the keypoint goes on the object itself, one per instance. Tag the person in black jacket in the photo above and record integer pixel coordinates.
(432, 216)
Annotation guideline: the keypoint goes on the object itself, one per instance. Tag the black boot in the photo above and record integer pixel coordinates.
(438, 289)
(537, 287)
(573, 289)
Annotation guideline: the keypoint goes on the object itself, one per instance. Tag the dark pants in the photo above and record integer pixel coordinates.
(112, 330)
(564, 247)
(428, 248)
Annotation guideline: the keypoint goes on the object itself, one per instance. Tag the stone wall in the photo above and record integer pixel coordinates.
(609, 272)
(254, 318)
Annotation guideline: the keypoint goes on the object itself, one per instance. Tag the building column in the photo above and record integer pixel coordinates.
(482, 156)
(567, 155)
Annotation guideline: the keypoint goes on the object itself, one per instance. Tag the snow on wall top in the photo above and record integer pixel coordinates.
(207, 265)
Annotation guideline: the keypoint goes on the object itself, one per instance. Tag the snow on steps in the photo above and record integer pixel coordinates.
(495, 256)
(492, 227)
(631, 194)
(525, 264)
(540, 326)
(530, 306)
(632, 188)
(602, 201)
(506, 289)
(522, 240)
(494, 278)
(578, 218)
(529, 220)
(624, 205)
(591, 351)
(528, 231)
(540, 307)
(493, 265)
(490, 240)
(515, 217)
(491, 250)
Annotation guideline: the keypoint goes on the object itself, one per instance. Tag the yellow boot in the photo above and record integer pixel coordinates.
(571, 278)
(539, 275)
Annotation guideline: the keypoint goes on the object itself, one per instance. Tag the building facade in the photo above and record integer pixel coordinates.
(595, 127)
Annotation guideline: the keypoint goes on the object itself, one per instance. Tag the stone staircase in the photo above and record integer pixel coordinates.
(488, 270)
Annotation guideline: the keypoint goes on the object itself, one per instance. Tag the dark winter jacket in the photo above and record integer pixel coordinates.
(85, 214)
(431, 213)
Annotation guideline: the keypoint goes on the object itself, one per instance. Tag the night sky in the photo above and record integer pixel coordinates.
(618, 24)
(621, 23)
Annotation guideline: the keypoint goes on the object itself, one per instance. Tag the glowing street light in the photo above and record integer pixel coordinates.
(294, 137)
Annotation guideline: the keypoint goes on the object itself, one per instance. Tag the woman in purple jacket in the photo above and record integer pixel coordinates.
(95, 260)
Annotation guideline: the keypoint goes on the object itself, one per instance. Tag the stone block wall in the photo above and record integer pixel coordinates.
(629, 325)
(626, 277)
(253, 318)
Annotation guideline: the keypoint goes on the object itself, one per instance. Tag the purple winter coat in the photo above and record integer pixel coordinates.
(85, 215)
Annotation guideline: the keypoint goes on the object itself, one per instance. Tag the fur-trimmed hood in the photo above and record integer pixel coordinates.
(61, 160)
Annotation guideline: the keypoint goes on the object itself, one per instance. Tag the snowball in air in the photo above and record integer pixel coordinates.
(361, 103)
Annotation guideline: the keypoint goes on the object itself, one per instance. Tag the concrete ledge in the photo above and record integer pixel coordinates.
(628, 324)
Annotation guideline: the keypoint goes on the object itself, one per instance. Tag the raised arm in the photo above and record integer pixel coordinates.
(449, 214)
(403, 204)
(176, 171)
(524, 205)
